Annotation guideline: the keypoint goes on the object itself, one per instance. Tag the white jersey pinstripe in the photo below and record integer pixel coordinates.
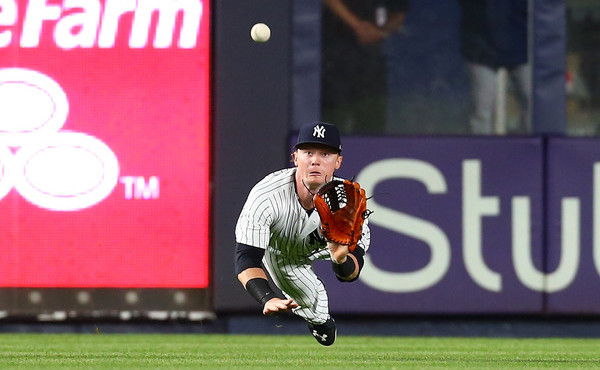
(273, 219)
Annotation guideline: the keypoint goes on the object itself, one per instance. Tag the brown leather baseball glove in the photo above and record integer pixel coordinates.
(342, 207)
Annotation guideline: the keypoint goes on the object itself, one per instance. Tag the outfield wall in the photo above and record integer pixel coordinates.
(446, 208)
(193, 124)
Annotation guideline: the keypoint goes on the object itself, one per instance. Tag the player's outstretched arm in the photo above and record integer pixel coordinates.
(278, 305)
(255, 281)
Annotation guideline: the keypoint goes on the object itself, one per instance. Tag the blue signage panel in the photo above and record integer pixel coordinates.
(457, 226)
(573, 242)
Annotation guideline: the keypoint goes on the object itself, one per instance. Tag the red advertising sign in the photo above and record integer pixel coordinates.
(104, 143)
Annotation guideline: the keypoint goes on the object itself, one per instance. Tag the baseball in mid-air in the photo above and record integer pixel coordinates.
(260, 32)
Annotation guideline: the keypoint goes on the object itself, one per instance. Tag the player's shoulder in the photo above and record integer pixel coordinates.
(283, 174)
(280, 177)
(275, 182)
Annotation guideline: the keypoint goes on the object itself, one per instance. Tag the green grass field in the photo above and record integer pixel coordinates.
(289, 352)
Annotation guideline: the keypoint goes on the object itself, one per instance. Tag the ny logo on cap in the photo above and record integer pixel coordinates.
(319, 131)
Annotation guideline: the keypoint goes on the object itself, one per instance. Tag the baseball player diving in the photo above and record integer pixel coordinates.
(295, 216)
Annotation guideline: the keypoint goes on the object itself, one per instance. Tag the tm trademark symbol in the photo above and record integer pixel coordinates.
(137, 187)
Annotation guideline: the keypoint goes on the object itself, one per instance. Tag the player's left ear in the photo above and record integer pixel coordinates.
(338, 162)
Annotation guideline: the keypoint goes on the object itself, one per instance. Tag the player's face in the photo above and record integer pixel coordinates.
(316, 164)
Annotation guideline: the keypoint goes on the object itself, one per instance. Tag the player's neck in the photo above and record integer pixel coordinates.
(304, 195)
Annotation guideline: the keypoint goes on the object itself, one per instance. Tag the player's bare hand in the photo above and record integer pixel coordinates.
(279, 305)
(338, 252)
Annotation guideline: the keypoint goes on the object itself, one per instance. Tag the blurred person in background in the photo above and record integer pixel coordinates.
(590, 57)
(353, 72)
(493, 36)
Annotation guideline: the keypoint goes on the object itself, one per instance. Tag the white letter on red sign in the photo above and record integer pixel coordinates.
(37, 12)
(85, 22)
(113, 10)
(8, 17)
(165, 29)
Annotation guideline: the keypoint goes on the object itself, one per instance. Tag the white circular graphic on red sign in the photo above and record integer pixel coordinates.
(6, 174)
(61, 171)
(31, 103)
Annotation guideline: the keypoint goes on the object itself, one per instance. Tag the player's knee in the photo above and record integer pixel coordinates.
(305, 299)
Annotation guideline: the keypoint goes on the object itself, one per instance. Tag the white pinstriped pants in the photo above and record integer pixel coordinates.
(302, 284)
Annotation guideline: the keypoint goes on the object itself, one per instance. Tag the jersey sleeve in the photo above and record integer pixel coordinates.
(254, 224)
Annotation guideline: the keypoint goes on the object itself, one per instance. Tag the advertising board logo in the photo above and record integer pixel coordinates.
(53, 169)
(96, 23)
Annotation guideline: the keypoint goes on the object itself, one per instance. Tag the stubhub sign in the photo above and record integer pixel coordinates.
(477, 225)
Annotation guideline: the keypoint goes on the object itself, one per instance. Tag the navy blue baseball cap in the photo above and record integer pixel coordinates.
(320, 133)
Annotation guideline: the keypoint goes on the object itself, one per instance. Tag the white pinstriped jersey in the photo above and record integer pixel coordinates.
(273, 219)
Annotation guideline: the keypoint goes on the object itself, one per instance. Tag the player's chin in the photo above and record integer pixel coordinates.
(315, 181)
